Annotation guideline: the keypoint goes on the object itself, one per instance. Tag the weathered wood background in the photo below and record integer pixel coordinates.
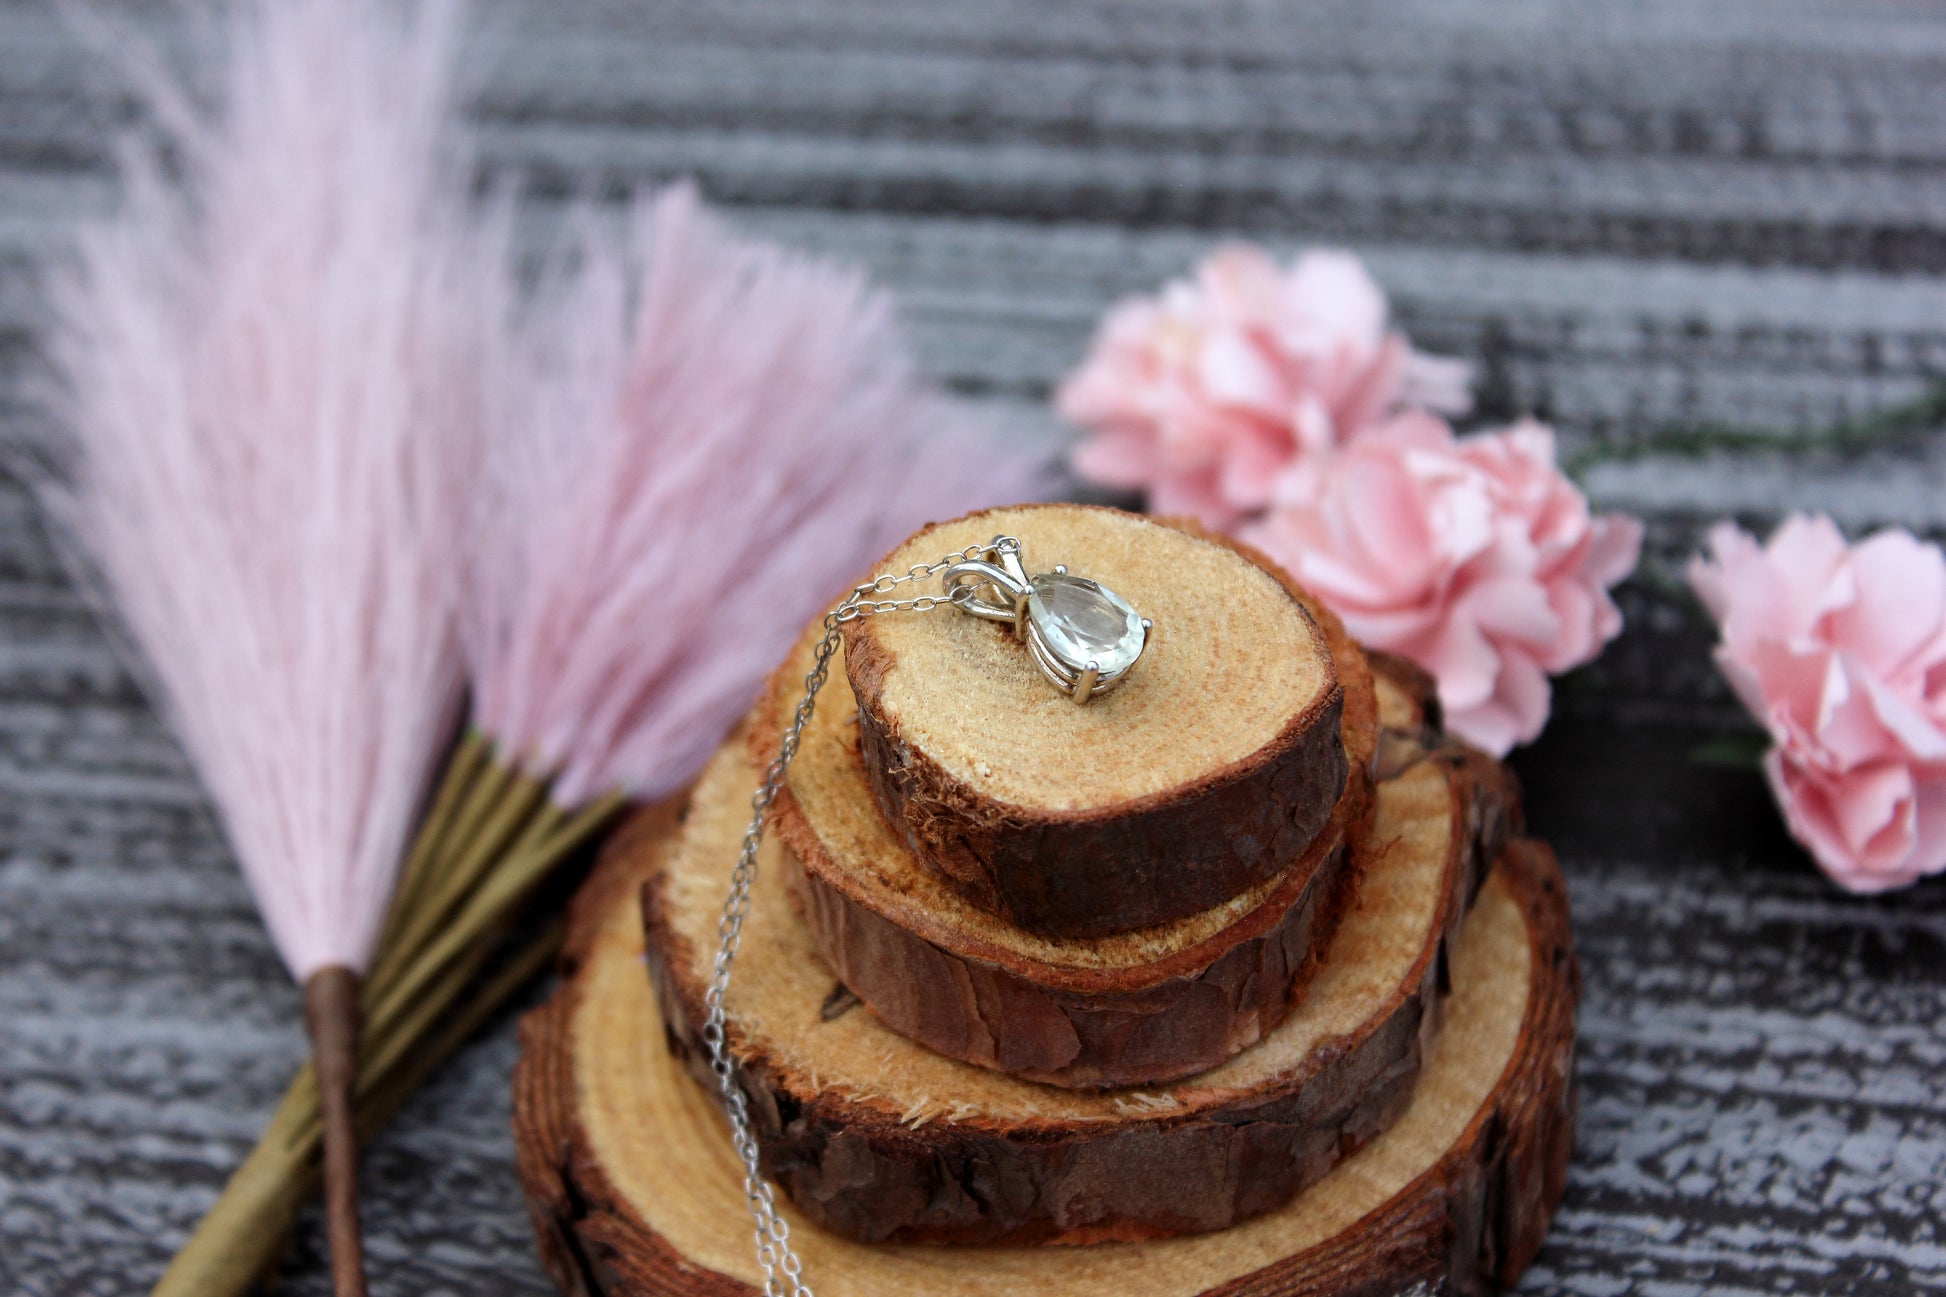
(1638, 219)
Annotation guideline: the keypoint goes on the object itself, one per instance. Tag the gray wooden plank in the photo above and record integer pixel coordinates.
(1611, 350)
(1635, 220)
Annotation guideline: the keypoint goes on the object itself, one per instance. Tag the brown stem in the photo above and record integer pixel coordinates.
(238, 1243)
(397, 989)
(405, 1036)
(331, 1015)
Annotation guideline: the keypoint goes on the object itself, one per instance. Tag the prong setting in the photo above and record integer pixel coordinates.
(1083, 637)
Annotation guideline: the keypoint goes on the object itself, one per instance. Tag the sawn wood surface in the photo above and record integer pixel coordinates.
(1636, 219)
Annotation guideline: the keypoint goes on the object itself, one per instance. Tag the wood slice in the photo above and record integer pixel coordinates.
(1142, 1007)
(634, 1188)
(1409, 715)
(1409, 727)
(879, 1138)
(1209, 772)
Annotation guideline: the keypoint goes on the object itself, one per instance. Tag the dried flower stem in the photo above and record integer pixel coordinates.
(497, 888)
(335, 1024)
(462, 768)
(491, 814)
(1872, 430)
(490, 840)
(245, 1233)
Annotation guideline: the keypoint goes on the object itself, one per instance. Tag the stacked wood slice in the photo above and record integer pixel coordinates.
(1245, 955)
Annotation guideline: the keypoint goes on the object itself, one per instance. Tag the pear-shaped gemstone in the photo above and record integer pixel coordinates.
(1082, 621)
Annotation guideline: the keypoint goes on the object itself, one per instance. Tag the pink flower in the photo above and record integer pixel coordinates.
(1841, 653)
(1474, 557)
(1206, 395)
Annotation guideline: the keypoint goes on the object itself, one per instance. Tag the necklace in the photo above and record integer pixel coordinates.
(1084, 638)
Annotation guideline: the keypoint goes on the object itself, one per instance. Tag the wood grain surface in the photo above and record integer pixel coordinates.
(1638, 220)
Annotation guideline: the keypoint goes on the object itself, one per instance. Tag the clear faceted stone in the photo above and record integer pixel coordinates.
(1082, 622)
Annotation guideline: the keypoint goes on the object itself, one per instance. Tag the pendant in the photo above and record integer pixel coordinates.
(1083, 636)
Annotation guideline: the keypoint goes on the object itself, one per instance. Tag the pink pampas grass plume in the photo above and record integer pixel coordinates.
(260, 367)
(696, 442)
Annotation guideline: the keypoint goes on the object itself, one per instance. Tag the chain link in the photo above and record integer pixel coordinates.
(783, 1272)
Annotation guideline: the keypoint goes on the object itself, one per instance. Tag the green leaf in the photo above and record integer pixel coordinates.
(1743, 750)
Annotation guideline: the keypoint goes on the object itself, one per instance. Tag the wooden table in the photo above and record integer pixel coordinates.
(1639, 221)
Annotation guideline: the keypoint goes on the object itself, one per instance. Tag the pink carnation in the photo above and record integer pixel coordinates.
(1208, 394)
(1474, 557)
(1841, 653)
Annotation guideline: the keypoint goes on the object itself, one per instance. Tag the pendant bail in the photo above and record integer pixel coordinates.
(997, 591)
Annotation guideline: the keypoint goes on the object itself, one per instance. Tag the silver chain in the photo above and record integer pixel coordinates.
(783, 1272)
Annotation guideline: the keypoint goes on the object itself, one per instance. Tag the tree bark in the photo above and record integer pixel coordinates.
(1456, 1196)
(1114, 859)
